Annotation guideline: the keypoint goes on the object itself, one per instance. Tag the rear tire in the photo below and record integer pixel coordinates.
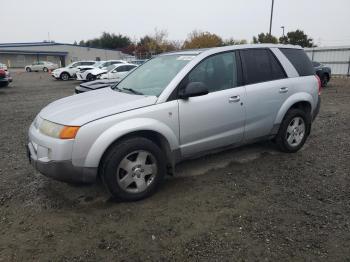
(64, 76)
(4, 84)
(133, 169)
(324, 80)
(294, 130)
(28, 69)
(45, 69)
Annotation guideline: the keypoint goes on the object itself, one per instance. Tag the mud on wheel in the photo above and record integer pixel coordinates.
(133, 169)
(294, 130)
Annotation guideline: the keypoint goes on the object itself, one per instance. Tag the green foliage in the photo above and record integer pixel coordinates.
(232, 41)
(297, 37)
(265, 38)
(107, 40)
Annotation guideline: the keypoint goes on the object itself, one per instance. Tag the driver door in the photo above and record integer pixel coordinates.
(216, 119)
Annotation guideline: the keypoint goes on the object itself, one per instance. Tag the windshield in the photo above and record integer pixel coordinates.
(152, 77)
(110, 68)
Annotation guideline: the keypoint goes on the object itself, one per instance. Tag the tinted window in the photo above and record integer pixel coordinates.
(122, 69)
(316, 64)
(299, 60)
(260, 65)
(131, 67)
(217, 72)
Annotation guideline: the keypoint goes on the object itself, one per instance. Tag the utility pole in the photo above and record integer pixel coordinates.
(271, 16)
(282, 30)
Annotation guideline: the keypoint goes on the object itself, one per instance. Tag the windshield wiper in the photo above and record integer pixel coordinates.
(132, 91)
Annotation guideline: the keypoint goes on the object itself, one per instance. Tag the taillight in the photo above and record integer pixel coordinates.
(2, 73)
(319, 85)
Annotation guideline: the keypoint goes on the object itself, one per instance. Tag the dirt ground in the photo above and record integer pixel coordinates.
(248, 204)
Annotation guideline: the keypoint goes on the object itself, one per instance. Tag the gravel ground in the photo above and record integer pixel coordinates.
(248, 204)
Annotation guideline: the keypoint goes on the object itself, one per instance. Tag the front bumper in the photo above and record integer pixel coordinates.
(52, 157)
(80, 77)
(55, 74)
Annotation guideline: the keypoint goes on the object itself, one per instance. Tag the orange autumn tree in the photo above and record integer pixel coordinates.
(198, 39)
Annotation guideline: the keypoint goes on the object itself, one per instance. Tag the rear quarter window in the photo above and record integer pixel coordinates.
(260, 66)
(299, 60)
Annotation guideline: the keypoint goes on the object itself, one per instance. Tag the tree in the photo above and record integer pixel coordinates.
(265, 38)
(155, 44)
(198, 39)
(297, 37)
(108, 40)
(232, 41)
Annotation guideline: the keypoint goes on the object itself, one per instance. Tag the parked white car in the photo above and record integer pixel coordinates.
(3, 66)
(41, 66)
(65, 73)
(90, 75)
(117, 72)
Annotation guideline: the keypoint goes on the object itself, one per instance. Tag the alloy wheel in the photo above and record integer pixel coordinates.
(295, 131)
(137, 171)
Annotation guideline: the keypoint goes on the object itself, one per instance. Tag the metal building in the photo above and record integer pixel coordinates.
(337, 58)
(21, 54)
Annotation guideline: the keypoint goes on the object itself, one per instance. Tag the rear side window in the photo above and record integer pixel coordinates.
(299, 60)
(260, 65)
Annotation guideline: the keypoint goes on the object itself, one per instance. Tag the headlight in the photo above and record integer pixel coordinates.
(58, 131)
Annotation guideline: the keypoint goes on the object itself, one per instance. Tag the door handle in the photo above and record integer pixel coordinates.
(283, 89)
(234, 99)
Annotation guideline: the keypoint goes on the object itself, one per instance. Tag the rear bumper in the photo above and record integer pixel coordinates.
(317, 109)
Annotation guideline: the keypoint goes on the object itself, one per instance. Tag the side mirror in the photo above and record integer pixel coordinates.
(193, 89)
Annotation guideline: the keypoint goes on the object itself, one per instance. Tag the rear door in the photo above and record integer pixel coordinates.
(267, 87)
(216, 119)
(34, 66)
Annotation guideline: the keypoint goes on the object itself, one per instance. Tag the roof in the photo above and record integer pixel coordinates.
(227, 48)
(32, 52)
(30, 44)
(328, 48)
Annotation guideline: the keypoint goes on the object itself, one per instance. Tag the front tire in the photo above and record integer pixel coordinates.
(133, 169)
(45, 69)
(28, 69)
(294, 130)
(90, 77)
(64, 76)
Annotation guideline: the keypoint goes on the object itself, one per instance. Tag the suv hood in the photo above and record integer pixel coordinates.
(97, 71)
(78, 110)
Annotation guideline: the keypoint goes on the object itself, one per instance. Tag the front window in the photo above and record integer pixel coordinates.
(103, 65)
(152, 77)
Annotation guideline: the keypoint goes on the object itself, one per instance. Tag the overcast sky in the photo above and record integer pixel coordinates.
(69, 20)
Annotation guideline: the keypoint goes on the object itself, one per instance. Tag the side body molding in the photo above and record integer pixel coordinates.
(126, 127)
(295, 98)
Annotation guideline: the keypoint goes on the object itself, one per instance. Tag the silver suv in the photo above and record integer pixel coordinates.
(176, 106)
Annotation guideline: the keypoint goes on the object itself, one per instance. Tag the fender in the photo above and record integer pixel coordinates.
(293, 99)
(123, 128)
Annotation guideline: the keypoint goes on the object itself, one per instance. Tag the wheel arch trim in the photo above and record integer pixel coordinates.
(292, 100)
(117, 131)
